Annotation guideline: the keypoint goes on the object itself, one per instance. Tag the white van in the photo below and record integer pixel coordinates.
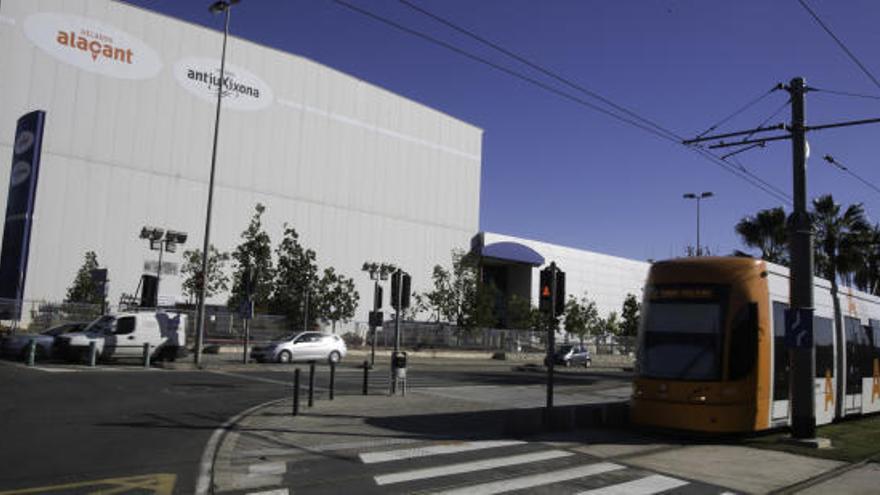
(124, 335)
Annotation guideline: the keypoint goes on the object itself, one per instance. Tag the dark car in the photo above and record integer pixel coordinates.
(16, 346)
(573, 355)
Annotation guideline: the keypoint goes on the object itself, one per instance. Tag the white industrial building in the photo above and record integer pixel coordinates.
(362, 174)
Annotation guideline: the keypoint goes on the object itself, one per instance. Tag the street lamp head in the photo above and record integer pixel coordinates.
(689, 196)
(221, 6)
(707, 194)
(152, 233)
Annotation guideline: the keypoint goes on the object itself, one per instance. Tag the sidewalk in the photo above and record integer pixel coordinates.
(322, 449)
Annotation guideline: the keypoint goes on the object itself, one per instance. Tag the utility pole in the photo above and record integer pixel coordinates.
(799, 328)
(803, 359)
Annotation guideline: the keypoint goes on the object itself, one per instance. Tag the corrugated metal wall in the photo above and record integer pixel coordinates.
(362, 174)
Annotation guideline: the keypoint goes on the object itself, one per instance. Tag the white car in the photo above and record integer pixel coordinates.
(124, 336)
(304, 346)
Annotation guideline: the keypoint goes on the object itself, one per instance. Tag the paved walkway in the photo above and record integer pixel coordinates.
(457, 440)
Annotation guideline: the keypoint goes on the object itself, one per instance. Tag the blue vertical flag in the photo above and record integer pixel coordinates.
(20, 203)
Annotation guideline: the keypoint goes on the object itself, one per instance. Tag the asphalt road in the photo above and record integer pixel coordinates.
(64, 428)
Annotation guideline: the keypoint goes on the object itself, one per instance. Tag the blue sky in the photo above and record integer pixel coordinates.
(559, 172)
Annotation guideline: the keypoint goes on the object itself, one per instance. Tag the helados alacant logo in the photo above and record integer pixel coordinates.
(241, 89)
(92, 46)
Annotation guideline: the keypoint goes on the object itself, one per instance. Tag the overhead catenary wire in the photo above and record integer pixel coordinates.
(832, 161)
(738, 111)
(845, 93)
(839, 42)
(641, 123)
(769, 118)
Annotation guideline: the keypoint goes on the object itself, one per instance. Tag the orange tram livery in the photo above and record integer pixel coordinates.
(712, 354)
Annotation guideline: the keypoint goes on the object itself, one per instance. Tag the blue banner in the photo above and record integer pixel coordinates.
(20, 203)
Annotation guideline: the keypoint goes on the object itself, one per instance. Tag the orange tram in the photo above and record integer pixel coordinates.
(712, 354)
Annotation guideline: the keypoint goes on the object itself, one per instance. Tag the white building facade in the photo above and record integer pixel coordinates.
(361, 174)
(130, 98)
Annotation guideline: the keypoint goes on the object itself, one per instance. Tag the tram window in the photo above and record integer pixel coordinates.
(780, 353)
(855, 345)
(875, 332)
(743, 342)
(682, 341)
(823, 337)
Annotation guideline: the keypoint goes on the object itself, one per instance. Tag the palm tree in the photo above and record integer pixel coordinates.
(766, 230)
(839, 238)
(867, 276)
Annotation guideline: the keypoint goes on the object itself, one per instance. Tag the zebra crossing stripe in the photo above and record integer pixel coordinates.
(279, 491)
(642, 486)
(524, 482)
(468, 467)
(449, 448)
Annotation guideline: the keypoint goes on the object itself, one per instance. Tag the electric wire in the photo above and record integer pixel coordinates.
(768, 119)
(840, 43)
(667, 135)
(539, 68)
(832, 161)
(846, 93)
(740, 110)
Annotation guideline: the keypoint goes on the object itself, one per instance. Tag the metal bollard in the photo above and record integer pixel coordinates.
(366, 377)
(32, 352)
(146, 355)
(332, 378)
(295, 391)
(93, 353)
(311, 383)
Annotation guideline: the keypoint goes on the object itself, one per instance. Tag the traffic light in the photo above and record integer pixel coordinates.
(560, 292)
(377, 298)
(400, 289)
(552, 289)
(546, 290)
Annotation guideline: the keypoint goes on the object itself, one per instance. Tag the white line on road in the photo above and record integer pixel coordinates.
(268, 468)
(448, 448)
(305, 449)
(642, 486)
(253, 378)
(468, 467)
(280, 491)
(534, 480)
(204, 480)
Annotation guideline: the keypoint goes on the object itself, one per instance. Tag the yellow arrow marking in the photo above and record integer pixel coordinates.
(158, 484)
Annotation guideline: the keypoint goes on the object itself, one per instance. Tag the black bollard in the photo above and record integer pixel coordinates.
(311, 383)
(295, 391)
(332, 378)
(366, 377)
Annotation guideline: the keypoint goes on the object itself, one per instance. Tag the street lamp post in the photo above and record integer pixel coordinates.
(224, 6)
(162, 240)
(698, 197)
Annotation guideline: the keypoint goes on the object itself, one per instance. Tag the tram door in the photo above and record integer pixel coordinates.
(856, 341)
(781, 369)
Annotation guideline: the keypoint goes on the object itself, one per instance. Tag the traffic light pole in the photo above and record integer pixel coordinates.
(397, 308)
(551, 339)
(803, 359)
(376, 301)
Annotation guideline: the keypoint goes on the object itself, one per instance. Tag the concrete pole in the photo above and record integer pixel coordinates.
(803, 360)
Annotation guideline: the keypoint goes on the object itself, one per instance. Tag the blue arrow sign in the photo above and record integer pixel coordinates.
(799, 328)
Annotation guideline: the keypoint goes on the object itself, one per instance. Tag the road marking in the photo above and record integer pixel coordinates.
(268, 468)
(253, 378)
(329, 447)
(54, 370)
(157, 484)
(450, 448)
(205, 477)
(279, 491)
(642, 486)
(534, 480)
(469, 467)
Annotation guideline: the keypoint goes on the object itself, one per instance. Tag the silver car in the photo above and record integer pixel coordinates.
(17, 345)
(304, 346)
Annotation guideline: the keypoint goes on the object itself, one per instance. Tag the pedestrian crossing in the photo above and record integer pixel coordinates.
(465, 467)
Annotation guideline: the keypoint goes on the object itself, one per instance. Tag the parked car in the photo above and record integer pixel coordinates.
(124, 336)
(304, 346)
(573, 355)
(17, 345)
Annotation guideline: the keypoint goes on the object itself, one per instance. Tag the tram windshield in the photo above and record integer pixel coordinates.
(682, 340)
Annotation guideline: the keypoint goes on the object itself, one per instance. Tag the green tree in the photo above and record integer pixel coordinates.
(611, 325)
(631, 314)
(581, 316)
(84, 289)
(520, 313)
(459, 297)
(440, 302)
(337, 297)
(867, 275)
(296, 281)
(218, 281)
(253, 255)
(840, 238)
(766, 231)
